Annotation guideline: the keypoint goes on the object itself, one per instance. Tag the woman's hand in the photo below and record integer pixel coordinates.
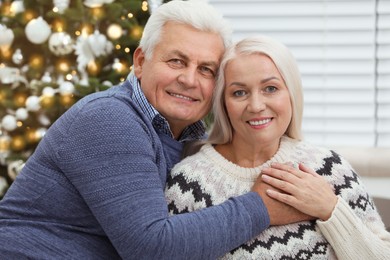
(302, 188)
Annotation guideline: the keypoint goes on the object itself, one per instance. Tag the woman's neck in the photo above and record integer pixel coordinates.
(245, 155)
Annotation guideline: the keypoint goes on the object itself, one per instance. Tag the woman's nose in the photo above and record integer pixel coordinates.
(256, 103)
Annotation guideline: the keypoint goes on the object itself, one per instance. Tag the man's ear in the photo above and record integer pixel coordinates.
(138, 61)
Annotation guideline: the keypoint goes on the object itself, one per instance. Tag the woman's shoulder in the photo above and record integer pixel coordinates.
(194, 161)
(313, 155)
(304, 148)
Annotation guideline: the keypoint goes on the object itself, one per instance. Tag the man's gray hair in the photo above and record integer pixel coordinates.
(195, 13)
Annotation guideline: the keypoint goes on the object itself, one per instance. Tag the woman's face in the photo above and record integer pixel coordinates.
(257, 100)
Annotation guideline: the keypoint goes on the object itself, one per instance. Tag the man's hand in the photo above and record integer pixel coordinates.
(279, 213)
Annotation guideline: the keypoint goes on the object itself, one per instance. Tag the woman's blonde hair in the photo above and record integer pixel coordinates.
(222, 131)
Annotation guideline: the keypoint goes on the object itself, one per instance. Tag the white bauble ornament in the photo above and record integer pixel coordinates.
(48, 91)
(61, 5)
(66, 88)
(60, 43)
(14, 168)
(9, 122)
(17, 7)
(6, 36)
(107, 83)
(41, 132)
(88, 48)
(10, 75)
(44, 120)
(46, 78)
(17, 57)
(21, 113)
(99, 44)
(37, 30)
(97, 3)
(32, 103)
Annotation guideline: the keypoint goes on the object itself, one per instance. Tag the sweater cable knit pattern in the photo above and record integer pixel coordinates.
(207, 179)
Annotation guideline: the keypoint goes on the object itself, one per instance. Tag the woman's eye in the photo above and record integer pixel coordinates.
(239, 93)
(271, 89)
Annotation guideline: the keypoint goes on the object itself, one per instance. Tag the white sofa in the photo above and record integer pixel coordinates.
(368, 162)
(373, 165)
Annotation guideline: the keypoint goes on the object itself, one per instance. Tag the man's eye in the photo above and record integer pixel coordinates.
(176, 62)
(239, 93)
(207, 71)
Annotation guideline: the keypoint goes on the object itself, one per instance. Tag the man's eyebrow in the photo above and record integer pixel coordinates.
(180, 54)
(214, 64)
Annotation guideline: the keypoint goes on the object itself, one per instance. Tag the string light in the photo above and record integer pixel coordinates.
(144, 6)
(58, 25)
(114, 31)
(69, 76)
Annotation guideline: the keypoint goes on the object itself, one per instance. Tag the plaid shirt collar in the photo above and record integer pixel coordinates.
(192, 132)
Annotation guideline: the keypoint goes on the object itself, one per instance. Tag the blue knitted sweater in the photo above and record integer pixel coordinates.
(94, 189)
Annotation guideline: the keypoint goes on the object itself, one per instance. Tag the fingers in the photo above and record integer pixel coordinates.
(306, 169)
(282, 182)
(301, 188)
(287, 178)
(284, 172)
(282, 197)
(285, 169)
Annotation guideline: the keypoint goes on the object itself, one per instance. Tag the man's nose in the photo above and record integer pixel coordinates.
(188, 77)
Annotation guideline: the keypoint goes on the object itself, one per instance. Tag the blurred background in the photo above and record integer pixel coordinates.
(52, 53)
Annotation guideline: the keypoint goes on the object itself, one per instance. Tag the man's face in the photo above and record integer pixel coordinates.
(179, 78)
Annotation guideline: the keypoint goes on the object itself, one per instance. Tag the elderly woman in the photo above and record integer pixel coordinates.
(258, 112)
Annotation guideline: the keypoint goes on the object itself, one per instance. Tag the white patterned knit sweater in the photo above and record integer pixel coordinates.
(355, 230)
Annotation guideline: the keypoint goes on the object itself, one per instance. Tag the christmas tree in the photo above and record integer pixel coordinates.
(52, 53)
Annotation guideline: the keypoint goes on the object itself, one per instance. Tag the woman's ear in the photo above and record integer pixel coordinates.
(138, 61)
